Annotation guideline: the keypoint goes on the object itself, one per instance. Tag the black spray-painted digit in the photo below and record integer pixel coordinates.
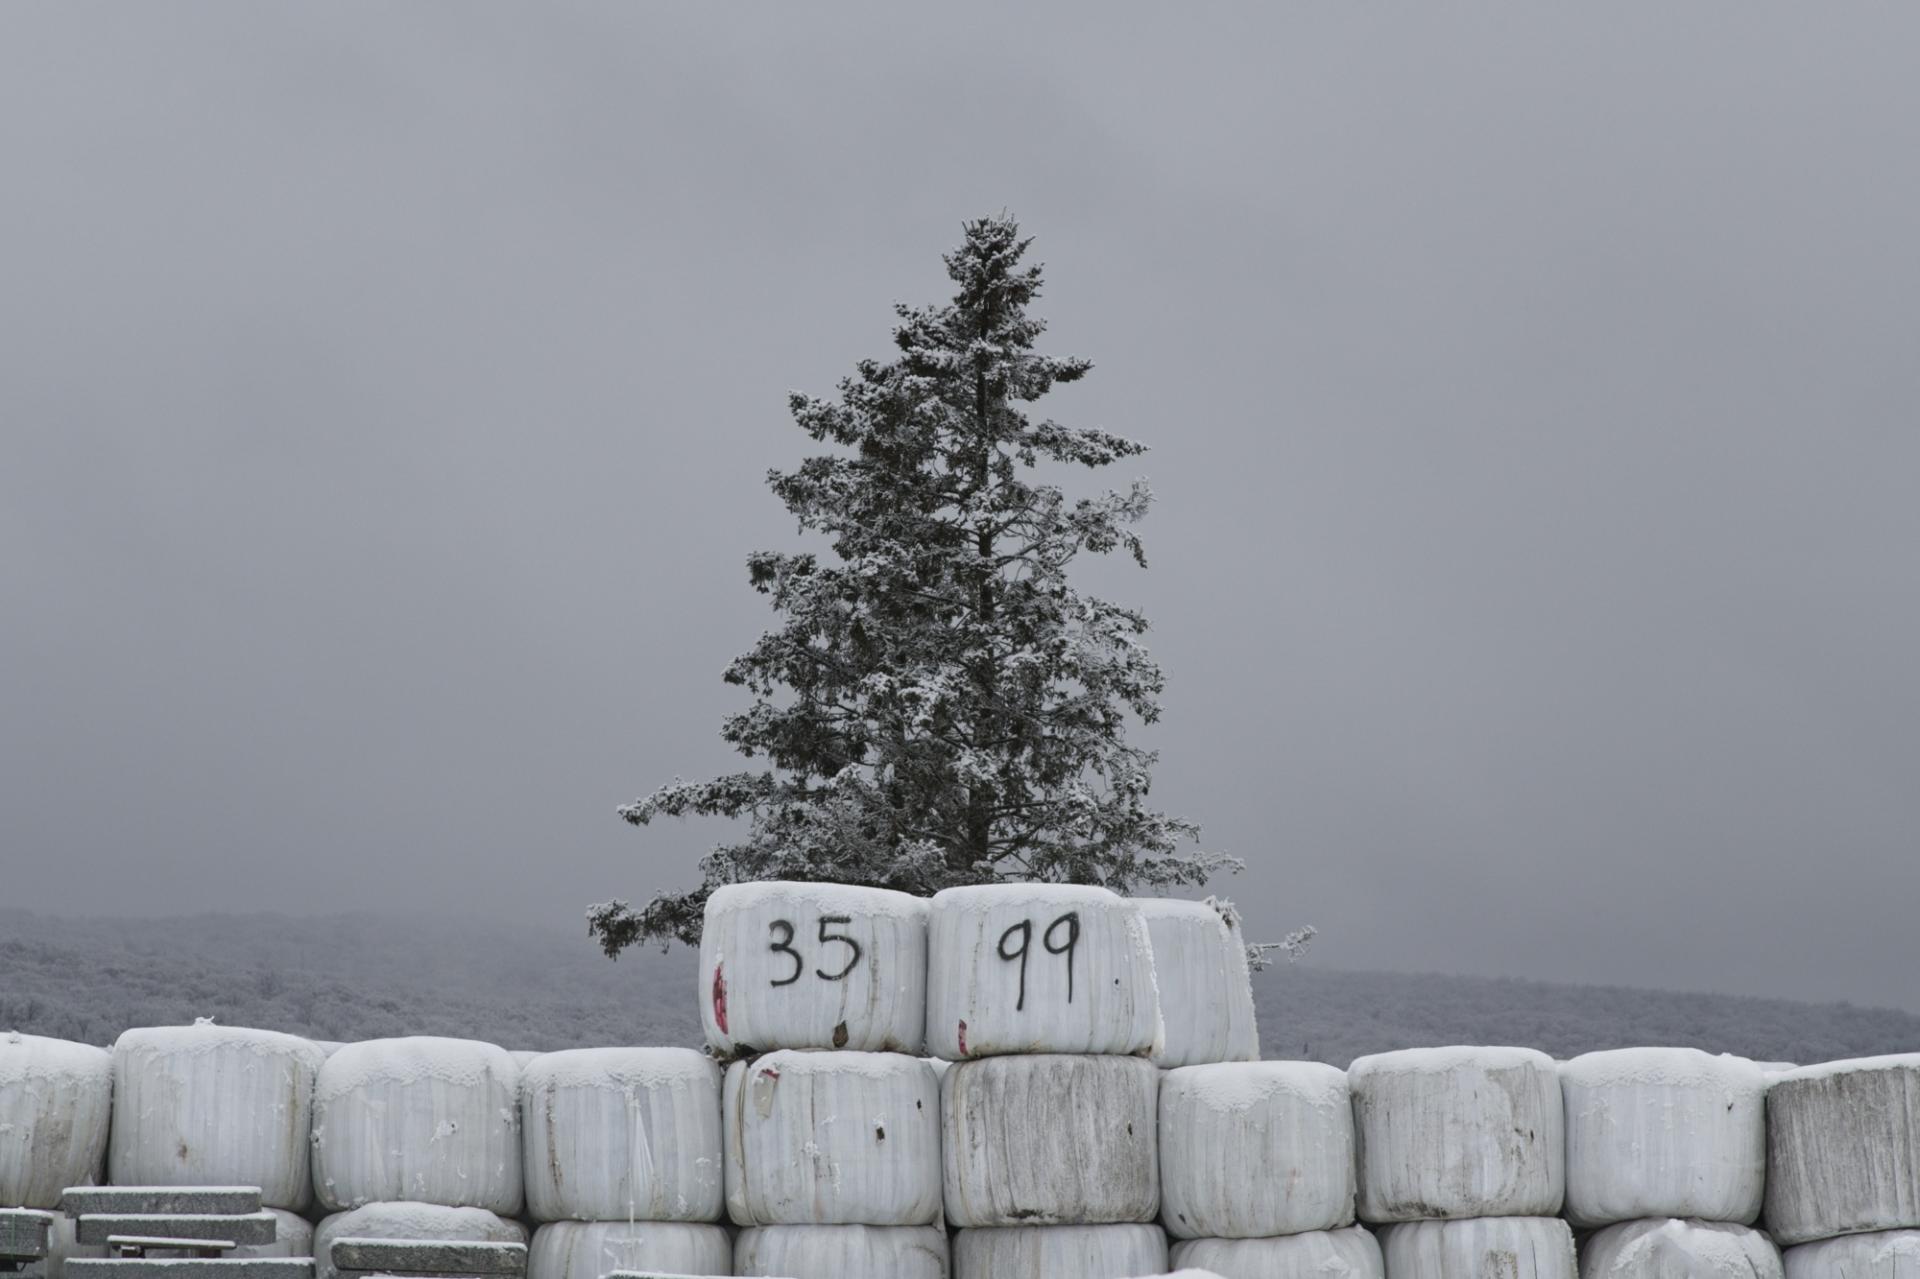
(1072, 920)
(1025, 929)
(784, 945)
(844, 940)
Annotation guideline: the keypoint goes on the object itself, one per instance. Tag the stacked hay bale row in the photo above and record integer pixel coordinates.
(831, 1119)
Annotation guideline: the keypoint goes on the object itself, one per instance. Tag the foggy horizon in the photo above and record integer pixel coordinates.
(389, 394)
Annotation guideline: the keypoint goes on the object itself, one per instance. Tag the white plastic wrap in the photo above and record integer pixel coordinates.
(56, 1099)
(1039, 968)
(292, 1237)
(1206, 990)
(1352, 1253)
(208, 1105)
(1487, 1248)
(1843, 1148)
(833, 1138)
(842, 1252)
(1249, 1149)
(409, 1221)
(590, 1249)
(1672, 1248)
(1051, 1139)
(1664, 1132)
(1882, 1254)
(422, 1119)
(622, 1134)
(1457, 1132)
(1059, 1252)
(794, 965)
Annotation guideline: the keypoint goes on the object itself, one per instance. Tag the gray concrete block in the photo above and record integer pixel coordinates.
(189, 1268)
(231, 1201)
(23, 1234)
(428, 1257)
(248, 1228)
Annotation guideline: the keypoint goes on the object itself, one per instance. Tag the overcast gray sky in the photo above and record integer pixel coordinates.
(387, 391)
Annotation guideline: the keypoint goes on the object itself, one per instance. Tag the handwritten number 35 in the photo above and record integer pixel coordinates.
(782, 932)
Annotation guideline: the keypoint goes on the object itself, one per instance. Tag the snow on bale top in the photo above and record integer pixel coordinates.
(1435, 1061)
(1181, 908)
(1242, 1085)
(1852, 1065)
(204, 1036)
(410, 1060)
(1030, 894)
(627, 1067)
(820, 896)
(1661, 1067)
(26, 1057)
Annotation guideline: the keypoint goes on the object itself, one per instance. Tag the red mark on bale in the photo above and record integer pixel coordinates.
(963, 1038)
(720, 996)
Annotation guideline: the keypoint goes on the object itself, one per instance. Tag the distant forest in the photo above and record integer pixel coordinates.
(368, 976)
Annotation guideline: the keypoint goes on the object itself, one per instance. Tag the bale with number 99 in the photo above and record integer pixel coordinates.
(1039, 968)
(797, 965)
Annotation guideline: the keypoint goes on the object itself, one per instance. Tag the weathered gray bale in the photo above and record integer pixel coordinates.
(1250, 1149)
(1664, 1132)
(1671, 1248)
(1352, 1253)
(622, 1134)
(1458, 1132)
(842, 1252)
(56, 1099)
(420, 1119)
(208, 1105)
(1039, 968)
(794, 965)
(1051, 1138)
(1486, 1248)
(1059, 1252)
(590, 1249)
(1206, 991)
(833, 1138)
(1843, 1148)
(1881, 1254)
(408, 1220)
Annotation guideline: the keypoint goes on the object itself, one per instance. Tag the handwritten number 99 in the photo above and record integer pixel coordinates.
(1060, 938)
(781, 931)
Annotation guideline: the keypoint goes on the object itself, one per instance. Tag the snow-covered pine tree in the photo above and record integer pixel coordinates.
(940, 705)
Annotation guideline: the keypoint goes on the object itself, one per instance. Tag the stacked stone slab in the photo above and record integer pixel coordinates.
(622, 1158)
(1666, 1161)
(200, 1232)
(1043, 996)
(829, 1118)
(1843, 1168)
(1460, 1160)
(1256, 1171)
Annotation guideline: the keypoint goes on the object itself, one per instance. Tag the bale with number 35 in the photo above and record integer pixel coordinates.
(1039, 968)
(798, 965)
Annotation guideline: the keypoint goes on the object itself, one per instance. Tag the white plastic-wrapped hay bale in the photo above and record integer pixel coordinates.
(208, 1105)
(1059, 1252)
(1351, 1253)
(1051, 1139)
(1457, 1132)
(327, 1047)
(292, 1237)
(523, 1057)
(590, 1249)
(1485, 1248)
(842, 1252)
(56, 1099)
(424, 1120)
(622, 1134)
(1255, 1148)
(1664, 1132)
(1673, 1248)
(833, 1138)
(1039, 968)
(1881, 1254)
(796, 965)
(1843, 1148)
(407, 1220)
(1206, 991)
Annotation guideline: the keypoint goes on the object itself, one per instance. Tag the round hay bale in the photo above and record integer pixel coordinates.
(1843, 1148)
(842, 1252)
(1352, 1253)
(1484, 1248)
(1250, 1149)
(1671, 1248)
(1664, 1132)
(1059, 1252)
(590, 1249)
(1880, 1254)
(832, 1138)
(1206, 991)
(56, 1099)
(1457, 1132)
(622, 1134)
(794, 965)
